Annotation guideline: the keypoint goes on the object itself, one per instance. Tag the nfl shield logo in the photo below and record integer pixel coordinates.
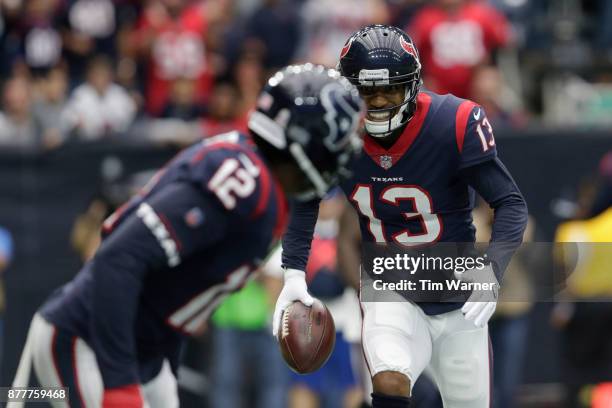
(194, 217)
(386, 162)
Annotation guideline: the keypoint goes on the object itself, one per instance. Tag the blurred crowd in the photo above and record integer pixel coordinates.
(173, 71)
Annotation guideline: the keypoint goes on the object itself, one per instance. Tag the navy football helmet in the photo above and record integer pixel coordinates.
(311, 115)
(380, 56)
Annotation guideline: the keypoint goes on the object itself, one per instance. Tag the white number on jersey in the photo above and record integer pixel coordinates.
(190, 317)
(483, 138)
(423, 206)
(233, 180)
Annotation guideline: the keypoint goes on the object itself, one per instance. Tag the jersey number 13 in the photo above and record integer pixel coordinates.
(423, 211)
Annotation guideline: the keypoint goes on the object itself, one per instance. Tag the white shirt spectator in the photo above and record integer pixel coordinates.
(17, 127)
(17, 134)
(96, 114)
(329, 23)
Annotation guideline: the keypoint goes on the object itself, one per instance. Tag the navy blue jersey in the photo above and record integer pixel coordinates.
(421, 189)
(413, 192)
(169, 256)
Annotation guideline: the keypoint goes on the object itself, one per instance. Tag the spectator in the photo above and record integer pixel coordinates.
(274, 29)
(223, 111)
(6, 253)
(489, 90)
(182, 103)
(248, 74)
(402, 11)
(17, 126)
(170, 38)
(89, 28)
(33, 41)
(532, 21)
(453, 38)
(328, 23)
(50, 105)
(216, 46)
(184, 121)
(128, 72)
(99, 107)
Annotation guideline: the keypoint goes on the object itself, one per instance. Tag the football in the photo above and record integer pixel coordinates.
(307, 336)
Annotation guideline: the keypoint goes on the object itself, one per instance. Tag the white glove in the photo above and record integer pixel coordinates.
(294, 289)
(481, 304)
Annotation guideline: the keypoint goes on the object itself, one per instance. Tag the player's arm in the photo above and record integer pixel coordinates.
(156, 237)
(495, 185)
(493, 182)
(481, 169)
(349, 251)
(298, 237)
(296, 249)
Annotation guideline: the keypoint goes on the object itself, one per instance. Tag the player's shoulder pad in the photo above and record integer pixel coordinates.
(473, 134)
(449, 116)
(228, 167)
(467, 113)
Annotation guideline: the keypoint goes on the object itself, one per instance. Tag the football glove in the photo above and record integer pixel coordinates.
(128, 396)
(295, 288)
(481, 304)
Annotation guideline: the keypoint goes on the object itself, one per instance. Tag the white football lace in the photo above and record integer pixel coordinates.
(285, 331)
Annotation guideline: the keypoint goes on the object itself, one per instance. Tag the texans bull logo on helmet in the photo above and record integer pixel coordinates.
(346, 48)
(408, 47)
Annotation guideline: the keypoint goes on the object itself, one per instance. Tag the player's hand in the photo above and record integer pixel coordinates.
(128, 396)
(481, 304)
(295, 288)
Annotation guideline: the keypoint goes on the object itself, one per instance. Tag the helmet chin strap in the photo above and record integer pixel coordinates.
(384, 129)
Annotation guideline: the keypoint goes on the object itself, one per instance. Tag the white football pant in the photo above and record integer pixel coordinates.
(79, 362)
(399, 336)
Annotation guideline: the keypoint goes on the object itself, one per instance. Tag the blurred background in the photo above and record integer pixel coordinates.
(96, 93)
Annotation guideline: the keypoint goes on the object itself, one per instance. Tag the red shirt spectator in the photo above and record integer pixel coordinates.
(173, 40)
(453, 37)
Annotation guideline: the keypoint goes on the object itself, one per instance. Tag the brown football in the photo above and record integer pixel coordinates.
(307, 336)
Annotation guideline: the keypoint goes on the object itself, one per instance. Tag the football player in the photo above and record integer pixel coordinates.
(195, 233)
(424, 156)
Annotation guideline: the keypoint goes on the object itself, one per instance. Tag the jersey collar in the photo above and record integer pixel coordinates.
(386, 158)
